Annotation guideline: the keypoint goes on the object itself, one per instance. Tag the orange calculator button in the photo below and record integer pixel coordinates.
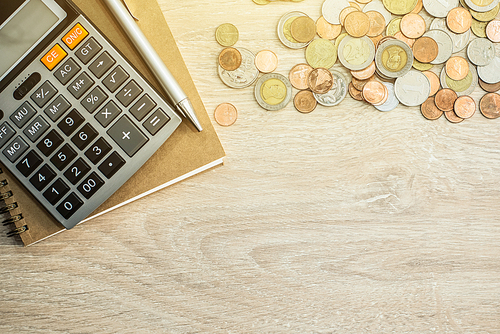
(75, 36)
(53, 57)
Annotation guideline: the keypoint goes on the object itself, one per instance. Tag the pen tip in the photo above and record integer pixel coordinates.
(187, 110)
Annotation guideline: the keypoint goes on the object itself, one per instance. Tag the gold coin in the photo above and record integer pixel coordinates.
(286, 29)
(400, 7)
(485, 16)
(225, 114)
(327, 30)
(303, 29)
(226, 34)
(355, 5)
(273, 91)
(321, 53)
(421, 66)
(394, 58)
(261, 2)
(482, 3)
(339, 39)
(357, 24)
(479, 28)
(393, 27)
(460, 85)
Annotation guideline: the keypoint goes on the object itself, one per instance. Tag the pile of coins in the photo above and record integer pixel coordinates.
(391, 52)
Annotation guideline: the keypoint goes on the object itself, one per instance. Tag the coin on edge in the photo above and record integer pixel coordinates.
(304, 101)
(225, 114)
(273, 91)
(266, 61)
(226, 34)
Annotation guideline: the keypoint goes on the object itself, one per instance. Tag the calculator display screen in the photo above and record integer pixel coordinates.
(28, 23)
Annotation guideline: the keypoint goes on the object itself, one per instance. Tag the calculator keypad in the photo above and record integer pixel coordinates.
(87, 125)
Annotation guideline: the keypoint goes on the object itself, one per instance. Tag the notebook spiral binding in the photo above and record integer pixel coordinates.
(8, 208)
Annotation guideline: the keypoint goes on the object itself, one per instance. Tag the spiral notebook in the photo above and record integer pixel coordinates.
(186, 153)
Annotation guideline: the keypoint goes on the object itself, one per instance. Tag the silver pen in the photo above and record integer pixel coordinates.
(154, 62)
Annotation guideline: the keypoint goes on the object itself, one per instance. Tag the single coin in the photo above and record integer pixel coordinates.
(243, 76)
(366, 73)
(298, 76)
(461, 87)
(355, 4)
(445, 99)
(393, 27)
(493, 31)
(339, 39)
(321, 53)
(377, 23)
(486, 16)
(412, 89)
(346, 11)
(304, 101)
(409, 41)
(459, 20)
(465, 107)
(392, 101)
(418, 7)
(225, 114)
(457, 68)
(490, 105)
(439, 8)
(445, 45)
(357, 24)
(425, 49)
(400, 7)
(356, 53)
(452, 117)
(421, 66)
(429, 109)
(359, 84)
(481, 51)
(434, 81)
(284, 33)
(394, 58)
(479, 28)
(374, 92)
(230, 59)
(490, 88)
(266, 61)
(273, 91)
(481, 5)
(226, 34)
(336, 94)
(355, 94)
(320, 80)
(327, 30)
(378, 7)
(491, 72)
(413, 25)
(331, 10)
(460, 41)
(303, 29)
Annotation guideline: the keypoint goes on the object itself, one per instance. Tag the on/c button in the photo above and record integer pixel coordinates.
(53, 57)
(75, 36)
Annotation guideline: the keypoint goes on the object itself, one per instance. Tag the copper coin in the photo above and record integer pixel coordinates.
(303, 29)
(327, 30)
(434, 80)
(465, 106)
(376, 39)
(418, 7)
(230, 59)
(266, 61)
(377, 23)
(457, 68)
(445, 99)
(459, 20)
(357, 24)
(304, 101)
(452, 117)
(429, 109)
(490, 88)
(490, 105)
(412, 25)
(425, 49)
(298, 75)
(359, 84)
(355, 94)
(366, 73)
(383, 40)
(225, 114)
(493, 31)
(346, 11)
(409, 41)
(320, 80)
(374, 92)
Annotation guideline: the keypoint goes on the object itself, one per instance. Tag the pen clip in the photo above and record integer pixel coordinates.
(131, 14)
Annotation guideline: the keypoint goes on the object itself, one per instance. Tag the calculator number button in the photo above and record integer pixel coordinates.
(14, 150)
(129, 93)
(36, 128)
(127, 135)
(108, 113)
(43, 94)
(98, 151)
(88, 50)
(42, 177)
(29, 163)
(6, 132)
(56, 191)
(63, 157)
(94, 99)
(115, 79)
(111, 165)
(78, 170)
(69, 205)
(53, 57)
(71, 122)
(67, 71)
(90, 185)
(154, 123)
(80, 85)
(49, 143)
(102, 64)
(75, 36)
(84, 137)
(142, 107)
(23, 114)
(57, 108)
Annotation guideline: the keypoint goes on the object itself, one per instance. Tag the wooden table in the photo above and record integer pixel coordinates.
(344, 220)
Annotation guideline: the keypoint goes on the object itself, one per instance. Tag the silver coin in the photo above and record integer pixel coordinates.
(491, 72)
(281, 33)
(338, 92)
(445, 45)
(460, 41)
(439, 8)
(378, 6)
(412, 89)
(352, 52)
(447, 82)
(392, 101)
(331, 10)
(481, 51)
(243, 76)
(385, 69)
(481, 9)
(272, 95)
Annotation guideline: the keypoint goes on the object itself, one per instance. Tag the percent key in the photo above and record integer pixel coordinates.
(94, 99)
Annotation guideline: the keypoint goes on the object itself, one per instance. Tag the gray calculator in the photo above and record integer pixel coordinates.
(77, 120)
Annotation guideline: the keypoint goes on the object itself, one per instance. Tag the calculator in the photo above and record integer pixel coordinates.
(77, 120)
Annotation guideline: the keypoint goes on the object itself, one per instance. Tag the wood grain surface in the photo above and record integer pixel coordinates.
(344, 220)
